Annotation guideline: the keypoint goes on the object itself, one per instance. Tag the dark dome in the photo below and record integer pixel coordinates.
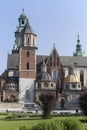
(44, 76)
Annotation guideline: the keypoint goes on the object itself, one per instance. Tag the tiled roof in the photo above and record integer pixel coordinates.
(44, 76)
(13, 61)
(80, 61)
(28, 29)
(72, 78)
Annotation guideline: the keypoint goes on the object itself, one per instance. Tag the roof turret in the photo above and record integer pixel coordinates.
(78, 48)
(44, 75)
(71, 76)
(28, 29)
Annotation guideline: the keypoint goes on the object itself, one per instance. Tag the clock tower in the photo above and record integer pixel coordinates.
(25, 45)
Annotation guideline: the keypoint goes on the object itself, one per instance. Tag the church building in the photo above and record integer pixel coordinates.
(28, 74)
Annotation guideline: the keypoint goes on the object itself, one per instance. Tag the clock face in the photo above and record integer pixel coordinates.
(46, 84)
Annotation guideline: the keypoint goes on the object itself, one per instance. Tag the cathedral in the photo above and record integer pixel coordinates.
(28, 74)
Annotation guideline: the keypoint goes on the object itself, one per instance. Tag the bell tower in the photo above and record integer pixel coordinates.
(25, 40)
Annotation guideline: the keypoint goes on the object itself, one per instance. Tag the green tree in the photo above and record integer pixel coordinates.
(48, 101)
(83, 102)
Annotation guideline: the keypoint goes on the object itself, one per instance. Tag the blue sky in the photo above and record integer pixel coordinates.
(54, 21)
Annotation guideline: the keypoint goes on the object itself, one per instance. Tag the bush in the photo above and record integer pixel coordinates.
(70, 124)
(47, 126)
(24, 128)
(83, 102)
(67, 124)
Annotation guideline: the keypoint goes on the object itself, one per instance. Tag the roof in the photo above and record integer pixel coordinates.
(28, 29)
(67, 60)
(40, 58)
(22, 16)
(13, 61)
(72, 78)
(80, 61)
(44, 76)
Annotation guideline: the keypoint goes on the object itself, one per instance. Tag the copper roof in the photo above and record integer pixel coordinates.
(72, 78)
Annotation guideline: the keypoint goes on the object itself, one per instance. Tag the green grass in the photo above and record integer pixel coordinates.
(15, 124)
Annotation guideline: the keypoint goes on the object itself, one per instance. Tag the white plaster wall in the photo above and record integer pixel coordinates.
(26, 84)
(66, 71)
(77, 72)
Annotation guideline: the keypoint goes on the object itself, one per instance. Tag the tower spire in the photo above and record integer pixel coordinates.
(78, 41)
(78, 48)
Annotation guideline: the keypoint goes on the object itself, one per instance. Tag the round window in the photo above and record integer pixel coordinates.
(46, 84)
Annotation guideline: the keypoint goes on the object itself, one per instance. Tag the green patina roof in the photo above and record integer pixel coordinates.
(78, 48)
(22, 16)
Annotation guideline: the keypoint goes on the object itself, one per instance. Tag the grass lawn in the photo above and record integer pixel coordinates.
(15, 124)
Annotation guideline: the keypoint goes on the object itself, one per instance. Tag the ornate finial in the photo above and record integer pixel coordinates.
(78, 38)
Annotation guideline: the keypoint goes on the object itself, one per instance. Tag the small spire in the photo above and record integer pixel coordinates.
(44, 67)
(78, 38)
(23, 11)
(43, 59)
(71, 69)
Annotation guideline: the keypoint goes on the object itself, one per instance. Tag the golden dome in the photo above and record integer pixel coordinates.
(72, 78)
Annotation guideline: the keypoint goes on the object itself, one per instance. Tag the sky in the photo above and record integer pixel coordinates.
(54, 21)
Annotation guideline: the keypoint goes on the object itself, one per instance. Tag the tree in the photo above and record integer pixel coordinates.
(83, 102)
(48, 101)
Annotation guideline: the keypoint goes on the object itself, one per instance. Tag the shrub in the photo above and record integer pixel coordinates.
(67, 124)
(70, 124)
(40, 126)
(24, 128)
(83, 102)
(47, 126)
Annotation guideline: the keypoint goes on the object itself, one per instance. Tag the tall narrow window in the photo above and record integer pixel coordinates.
(62, 103)
(27, 94)
(22, 40)
(82, 78)
(22, 21)
(51, 61)
(28, 40)
(33, 41)
(28, 53)
(27, 66)
(54, 76)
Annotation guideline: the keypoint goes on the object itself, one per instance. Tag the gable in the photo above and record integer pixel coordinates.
(54, 59)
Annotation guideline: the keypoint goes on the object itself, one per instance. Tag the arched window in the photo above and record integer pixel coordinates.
(27, 94)
(51, 61)
(27, 66)
(82, 78)
(28, 53)
(22, 21)
(62, 103)
(28, 40)
(54, 75)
